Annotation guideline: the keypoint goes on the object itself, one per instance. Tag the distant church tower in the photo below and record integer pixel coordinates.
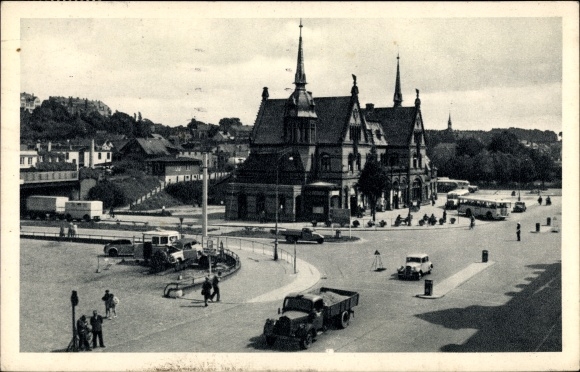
(398, 97)
(299, 114)
(449, 128)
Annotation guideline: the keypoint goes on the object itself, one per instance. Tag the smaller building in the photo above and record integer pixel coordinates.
(175, 169)
(29, 101)
(28, 158)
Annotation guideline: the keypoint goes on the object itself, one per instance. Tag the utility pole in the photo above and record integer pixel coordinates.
(204, 200)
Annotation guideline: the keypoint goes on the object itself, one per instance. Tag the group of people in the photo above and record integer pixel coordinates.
(207, 286)
(548, 200)
(84, 331)
(72, 230)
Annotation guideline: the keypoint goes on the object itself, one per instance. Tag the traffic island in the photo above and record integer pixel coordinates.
(439, 290)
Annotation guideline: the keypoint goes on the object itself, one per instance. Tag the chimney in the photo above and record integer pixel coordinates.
(92, 154)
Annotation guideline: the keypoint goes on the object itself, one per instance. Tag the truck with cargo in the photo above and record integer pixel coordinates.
(84, 210)
(305, 316)
(45, 206)
(306, 234)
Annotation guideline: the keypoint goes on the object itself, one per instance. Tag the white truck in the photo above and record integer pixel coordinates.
(46, 206)
(84, 210)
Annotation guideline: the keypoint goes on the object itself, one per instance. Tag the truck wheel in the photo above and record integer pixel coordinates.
(489, 216)
(320, 241)
(87, 218)
(344, 319)
(306, 341)
(113, 252)
(69, 218)
(270, 340)
(289, 239)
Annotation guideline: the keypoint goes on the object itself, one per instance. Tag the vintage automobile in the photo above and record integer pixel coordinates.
(119, 247)
(519, 206)
(417, 265)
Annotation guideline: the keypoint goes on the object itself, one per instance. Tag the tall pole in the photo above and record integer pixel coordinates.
(294, 256)
(276, 228)
(204, 202)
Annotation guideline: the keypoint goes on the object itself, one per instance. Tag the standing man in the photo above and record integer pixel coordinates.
(97, 325)
(83, 331)
(472, 222)
(518, 231)
(107, 299)
(216, 287)
(540, 200)
(113, 302)
(206, 290)
(444, 215)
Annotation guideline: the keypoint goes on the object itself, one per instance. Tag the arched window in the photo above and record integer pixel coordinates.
(260, 203)
(325, 162)
(414, 160)
(351, 162)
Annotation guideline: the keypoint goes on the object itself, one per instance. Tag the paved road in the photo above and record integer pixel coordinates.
(513, 305)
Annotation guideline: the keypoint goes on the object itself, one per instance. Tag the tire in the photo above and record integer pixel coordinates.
(344, 319)
(468, 213)
(320, 241)
(270, 340)
(306, 341)
(87, 218)
(289, 239)
(113, 252)
(69, 218)
(419, 275)
(489, 216)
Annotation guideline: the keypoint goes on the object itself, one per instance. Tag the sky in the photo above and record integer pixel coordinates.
(485, 72)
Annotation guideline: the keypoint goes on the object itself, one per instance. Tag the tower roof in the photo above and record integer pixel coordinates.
(398, 96)
(300, 104)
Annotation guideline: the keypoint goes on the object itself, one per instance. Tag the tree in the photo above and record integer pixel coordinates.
(469, 146)
(110, 194)
(505, 142)
(225, 124)
(372, 181)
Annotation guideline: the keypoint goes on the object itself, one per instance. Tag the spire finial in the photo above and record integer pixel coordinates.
(398, 97)
(300, 77)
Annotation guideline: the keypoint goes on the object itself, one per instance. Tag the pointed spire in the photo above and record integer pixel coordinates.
(449, 122)
(398, 97)
(300, 77)
(417, 100)
(354, 89)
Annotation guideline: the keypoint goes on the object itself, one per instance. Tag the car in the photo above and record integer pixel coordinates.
(119, 247)
(519, 206)
(416, 265)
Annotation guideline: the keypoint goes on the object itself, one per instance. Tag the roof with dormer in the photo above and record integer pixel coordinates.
(397, 123)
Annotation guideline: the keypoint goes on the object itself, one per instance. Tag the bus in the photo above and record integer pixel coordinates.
(492, 209)
(445, 184)
(453, 198)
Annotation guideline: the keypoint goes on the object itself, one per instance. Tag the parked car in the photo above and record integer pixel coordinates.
(519, 206)
(120, 247)
(417, 265)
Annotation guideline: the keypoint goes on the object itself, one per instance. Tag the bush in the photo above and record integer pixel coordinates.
(110, 194)
(355, 223)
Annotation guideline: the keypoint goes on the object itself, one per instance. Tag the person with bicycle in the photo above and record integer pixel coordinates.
(83, 333)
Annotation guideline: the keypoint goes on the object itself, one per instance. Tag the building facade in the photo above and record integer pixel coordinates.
(29, 102)
(307, 154)
(174, 169)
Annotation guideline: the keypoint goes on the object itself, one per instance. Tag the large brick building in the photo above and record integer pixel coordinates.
(307, 153)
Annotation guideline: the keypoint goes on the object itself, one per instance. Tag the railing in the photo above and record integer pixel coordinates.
(55, 176)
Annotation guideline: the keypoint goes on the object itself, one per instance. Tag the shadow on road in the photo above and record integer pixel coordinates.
(531, 321)
(284, 346)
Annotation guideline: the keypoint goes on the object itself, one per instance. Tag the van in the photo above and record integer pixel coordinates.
(83, 210)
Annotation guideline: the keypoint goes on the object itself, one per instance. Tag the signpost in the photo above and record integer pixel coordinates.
(209, 251)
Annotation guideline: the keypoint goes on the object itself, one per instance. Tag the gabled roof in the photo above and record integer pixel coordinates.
(397, 123)
(332, 112)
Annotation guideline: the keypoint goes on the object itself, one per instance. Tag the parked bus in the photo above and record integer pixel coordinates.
(453, 198)
(445, 184)
(492, 209)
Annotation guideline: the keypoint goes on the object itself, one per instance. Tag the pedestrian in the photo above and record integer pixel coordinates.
(215, 283)
(444, 216)
(61, 233)
(518, 231)
(206, 290)
(432, 200)
(97, 329)
(540, 200)
(70, 230)
(472, 222)
(113, 302)
(163, 210)
(83, 332)
(107, 300)
(75, 231)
